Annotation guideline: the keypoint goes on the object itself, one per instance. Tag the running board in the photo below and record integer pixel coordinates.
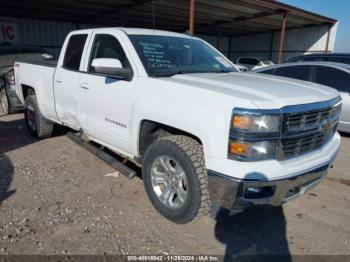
(98, 152)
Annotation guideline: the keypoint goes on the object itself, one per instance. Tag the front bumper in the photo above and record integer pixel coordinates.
(234, 194)
(280, 181)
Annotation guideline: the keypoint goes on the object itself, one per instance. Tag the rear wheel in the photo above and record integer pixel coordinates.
(4, 104)
(175, 178)
(37, 125)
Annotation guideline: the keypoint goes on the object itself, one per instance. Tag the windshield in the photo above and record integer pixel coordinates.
(168, 55)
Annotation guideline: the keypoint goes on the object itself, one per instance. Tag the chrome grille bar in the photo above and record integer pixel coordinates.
(305, 131)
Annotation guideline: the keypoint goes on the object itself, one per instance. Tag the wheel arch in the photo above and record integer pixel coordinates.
(150, 130)
(27, 90)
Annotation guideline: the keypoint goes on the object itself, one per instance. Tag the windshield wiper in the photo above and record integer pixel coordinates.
(169, 73)
(223, 71)
(178, 72)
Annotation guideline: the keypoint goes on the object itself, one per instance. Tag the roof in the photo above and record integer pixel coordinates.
(232, 17)
(326, 54)
(135, 31)
(316, 63)
(143, 31)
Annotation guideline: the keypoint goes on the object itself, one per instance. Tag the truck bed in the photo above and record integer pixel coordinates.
(50, 63)
(40, 76)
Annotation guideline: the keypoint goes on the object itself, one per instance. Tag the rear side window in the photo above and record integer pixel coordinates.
(333, 77)
(74, 51)
(297, 72)
(248, 61)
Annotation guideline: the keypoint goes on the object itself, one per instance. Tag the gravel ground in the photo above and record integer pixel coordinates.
(56, 198)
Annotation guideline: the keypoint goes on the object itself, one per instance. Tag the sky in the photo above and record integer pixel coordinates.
(337, 9)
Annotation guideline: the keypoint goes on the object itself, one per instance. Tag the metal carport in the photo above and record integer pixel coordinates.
(236, 27)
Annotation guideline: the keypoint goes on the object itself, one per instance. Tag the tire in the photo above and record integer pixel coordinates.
(4, 103)
(37, 125)
(178, 157)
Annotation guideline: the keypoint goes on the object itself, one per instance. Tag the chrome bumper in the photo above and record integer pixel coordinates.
(235, 194)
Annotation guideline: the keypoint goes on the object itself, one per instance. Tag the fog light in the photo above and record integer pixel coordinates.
(254, 192)
(254, 189)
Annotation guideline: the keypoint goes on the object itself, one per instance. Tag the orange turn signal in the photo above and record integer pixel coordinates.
(242, 122)
(238, 148)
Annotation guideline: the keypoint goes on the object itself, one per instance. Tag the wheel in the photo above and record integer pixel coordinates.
(4, 104)
(38, 126)
(175, 178)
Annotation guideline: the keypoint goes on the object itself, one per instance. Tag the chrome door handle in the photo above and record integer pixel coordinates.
(84, 85)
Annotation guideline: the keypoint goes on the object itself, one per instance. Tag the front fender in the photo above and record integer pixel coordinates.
(209, 124)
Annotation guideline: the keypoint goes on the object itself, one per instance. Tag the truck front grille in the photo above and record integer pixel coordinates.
(303, 132)
(310, 120)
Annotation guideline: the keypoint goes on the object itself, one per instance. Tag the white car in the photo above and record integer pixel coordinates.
(204, 134)
(242, 68)
(320, 72)
(253, 63)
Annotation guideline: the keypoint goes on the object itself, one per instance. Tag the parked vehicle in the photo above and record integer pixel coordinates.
(334, 75)
(9, 101)
(325, 57)
(205, 135)
(253, 63)
(242, 68)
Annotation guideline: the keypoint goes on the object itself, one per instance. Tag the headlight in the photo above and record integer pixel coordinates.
(253, 150)
(258, 123)
(254, 134)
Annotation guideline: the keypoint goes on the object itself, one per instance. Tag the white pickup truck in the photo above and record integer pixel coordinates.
(205, 134)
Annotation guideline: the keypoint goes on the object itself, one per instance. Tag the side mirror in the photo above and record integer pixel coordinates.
(111, 67)
(260, 64)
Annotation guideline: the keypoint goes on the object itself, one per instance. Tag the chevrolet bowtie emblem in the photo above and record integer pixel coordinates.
(326, 128)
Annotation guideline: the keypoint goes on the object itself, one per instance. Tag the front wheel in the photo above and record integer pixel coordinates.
(37, 125)
(175, 178)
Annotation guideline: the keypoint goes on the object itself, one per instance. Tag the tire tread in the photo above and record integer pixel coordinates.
(194, 152)
(44, 126)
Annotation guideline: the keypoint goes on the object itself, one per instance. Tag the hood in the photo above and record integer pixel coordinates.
(265, 91)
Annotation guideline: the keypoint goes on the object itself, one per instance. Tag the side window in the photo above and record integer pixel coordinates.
(333, 77)
(330, 59)
(344, 60)
(248, 61)
(268, 72)
(107, 46)
(313, 58)
(297, 72)
(74, 51)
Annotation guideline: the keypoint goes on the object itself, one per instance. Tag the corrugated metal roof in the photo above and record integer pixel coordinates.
(233, 17)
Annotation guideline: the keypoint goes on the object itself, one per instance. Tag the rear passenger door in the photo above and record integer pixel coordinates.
(339, 80)
(66, 80)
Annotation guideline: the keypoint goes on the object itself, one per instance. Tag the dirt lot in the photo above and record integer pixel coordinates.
(55, 198)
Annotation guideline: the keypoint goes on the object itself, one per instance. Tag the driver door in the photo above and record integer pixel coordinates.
(106, 101)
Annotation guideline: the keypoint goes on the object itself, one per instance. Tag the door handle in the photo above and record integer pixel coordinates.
(58, 79)
(84, 85)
